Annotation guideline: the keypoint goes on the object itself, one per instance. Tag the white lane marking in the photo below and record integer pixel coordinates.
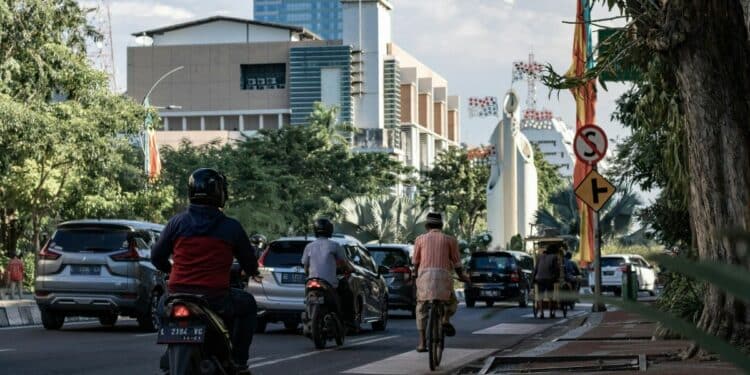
(412, 362)
(512, 329)
(256, 359)
(145, 334)
(7, 350)
(303, 355)
(558, 315)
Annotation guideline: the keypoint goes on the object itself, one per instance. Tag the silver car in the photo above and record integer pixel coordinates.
(99, 268)
(281, 295)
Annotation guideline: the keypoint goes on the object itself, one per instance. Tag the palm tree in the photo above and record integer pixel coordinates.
(615, 220)
(383, 219)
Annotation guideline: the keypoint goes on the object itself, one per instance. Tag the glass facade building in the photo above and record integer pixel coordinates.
(323, 17)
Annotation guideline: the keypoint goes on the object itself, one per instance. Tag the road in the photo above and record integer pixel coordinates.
(87, 348)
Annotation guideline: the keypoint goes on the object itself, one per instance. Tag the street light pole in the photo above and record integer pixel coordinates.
(148, 121)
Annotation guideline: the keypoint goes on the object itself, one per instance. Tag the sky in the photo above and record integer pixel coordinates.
(472, 43)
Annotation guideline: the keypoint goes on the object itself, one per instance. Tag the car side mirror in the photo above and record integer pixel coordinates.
(382, 270)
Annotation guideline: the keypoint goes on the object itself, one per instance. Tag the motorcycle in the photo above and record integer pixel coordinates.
(320, 320)
(198, 341)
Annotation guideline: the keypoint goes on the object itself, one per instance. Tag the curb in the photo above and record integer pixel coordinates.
(26, 313)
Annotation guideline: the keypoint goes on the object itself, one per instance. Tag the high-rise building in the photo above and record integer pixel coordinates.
(240, 76)
(323, 17)
(555, 141)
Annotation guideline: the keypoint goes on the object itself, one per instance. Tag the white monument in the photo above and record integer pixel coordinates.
(512, 189)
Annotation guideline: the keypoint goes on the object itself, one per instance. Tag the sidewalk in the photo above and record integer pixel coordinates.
(613, 342)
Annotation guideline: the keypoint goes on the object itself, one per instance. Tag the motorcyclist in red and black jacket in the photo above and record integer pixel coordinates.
(202, 243)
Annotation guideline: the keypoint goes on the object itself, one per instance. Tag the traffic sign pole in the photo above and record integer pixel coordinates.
(598, 306)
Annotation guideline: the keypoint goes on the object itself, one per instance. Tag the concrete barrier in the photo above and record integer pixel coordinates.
(25, 312)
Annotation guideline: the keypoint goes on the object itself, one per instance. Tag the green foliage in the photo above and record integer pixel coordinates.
(548, 178)
(63, 135)
(616, 217)
(280, 180)
(516, 243)
(457, 186)
(383, 219)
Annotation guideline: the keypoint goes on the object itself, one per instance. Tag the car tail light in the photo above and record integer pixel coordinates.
(40, 293)
(48, 254)
(624, 268)
(180, 311)
(129, 255)
(514, 277)
(263, 258)
(129, 295)
(312, 284)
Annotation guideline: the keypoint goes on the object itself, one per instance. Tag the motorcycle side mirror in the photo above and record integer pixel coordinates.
(382, 270)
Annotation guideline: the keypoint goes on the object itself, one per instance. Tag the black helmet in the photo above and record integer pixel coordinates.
(323, 227)
(207, 186)
(259, 241)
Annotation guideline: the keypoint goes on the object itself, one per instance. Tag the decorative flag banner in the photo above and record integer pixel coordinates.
(529, 69)
(585, 97)
(152, 158)
(483, 107)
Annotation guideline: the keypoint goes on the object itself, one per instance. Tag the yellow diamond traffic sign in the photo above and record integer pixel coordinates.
(595, 190)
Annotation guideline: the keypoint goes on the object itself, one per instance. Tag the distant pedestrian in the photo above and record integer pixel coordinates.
(15, 272)
(3, 281)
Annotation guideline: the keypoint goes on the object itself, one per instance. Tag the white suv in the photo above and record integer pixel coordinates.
(613, 267)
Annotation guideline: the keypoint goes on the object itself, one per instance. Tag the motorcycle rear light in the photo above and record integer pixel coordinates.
(313, 284)
(48, 254)
(262, 259)
(180, 311)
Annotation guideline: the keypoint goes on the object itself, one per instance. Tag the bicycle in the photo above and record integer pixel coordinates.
(435, 335)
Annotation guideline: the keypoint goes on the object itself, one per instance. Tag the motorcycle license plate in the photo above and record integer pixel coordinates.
(293, 278)
(181, 335)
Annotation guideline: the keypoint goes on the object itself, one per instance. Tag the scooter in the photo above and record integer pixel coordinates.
(198, 341)
(320, 320)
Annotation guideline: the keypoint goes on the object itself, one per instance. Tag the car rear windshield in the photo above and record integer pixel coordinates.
(285, 254)
(613, 262)
(491, 262)
(389, 257)
(90, 240)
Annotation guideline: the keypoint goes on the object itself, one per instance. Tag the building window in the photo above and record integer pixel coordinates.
(263, 76)
(212, 123)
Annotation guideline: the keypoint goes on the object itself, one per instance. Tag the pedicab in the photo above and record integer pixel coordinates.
(553, 302)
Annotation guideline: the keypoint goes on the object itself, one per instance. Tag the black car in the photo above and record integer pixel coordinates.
(402, 285)
(499, 276)
(281, 294)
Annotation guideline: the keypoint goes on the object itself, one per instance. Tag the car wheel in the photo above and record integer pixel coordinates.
(357, 323)
(651, 292)
(490, 303)
(618, 292)
(260, 325)
(523, 300)
(149, 320)
(52, 320)
(382, 324)
(470, 303)
(290, 325)
(108, 320)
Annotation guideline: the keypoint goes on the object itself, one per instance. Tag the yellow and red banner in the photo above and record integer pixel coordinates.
(585, 97)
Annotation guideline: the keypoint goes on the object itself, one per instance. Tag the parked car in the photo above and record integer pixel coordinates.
(402, 285)
(99, 268)
(281, 295)
(613, 267)
(499, 276)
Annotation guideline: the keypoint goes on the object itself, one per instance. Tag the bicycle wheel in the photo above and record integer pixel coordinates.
(440, 335)
(433, 321)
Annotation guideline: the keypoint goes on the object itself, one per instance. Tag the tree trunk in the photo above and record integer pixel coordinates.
(714, 78)
(9, 231)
